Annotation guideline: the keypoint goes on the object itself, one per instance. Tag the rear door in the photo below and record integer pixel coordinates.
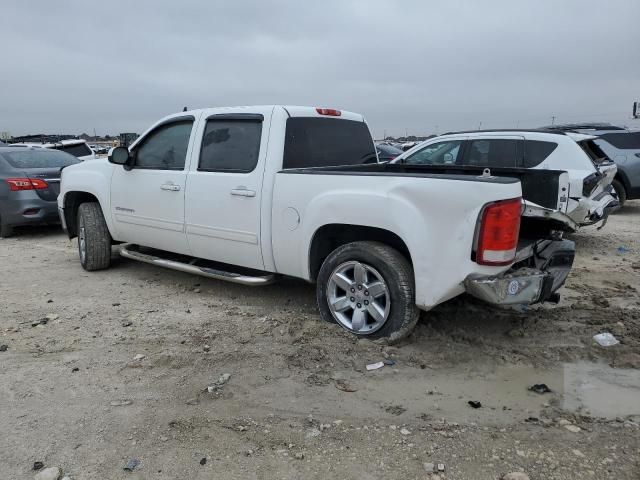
(224, 187)
(147, 200)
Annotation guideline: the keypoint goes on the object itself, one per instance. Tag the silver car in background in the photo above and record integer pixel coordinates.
(621, 145)
(29, 186)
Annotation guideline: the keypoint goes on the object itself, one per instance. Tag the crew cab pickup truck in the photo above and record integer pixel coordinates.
(251, 193)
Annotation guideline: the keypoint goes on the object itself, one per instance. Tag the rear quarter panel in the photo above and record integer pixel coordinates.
(435, 217)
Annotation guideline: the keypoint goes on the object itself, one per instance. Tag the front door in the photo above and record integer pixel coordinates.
(224, 189)
(147, 200)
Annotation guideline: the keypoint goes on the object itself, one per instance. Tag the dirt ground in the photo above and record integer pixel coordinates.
(101, 368)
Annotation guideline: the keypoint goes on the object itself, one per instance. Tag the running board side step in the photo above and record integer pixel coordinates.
(129, 250)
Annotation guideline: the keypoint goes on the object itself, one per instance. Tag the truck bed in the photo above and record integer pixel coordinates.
(538, 186)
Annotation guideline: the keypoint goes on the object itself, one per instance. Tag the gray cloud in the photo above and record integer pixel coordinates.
(118, 66)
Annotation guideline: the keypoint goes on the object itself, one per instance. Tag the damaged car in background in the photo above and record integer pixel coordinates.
(587, 198)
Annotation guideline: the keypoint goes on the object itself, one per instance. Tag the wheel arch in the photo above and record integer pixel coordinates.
(71, 203)
(621, 176)
(331, 236)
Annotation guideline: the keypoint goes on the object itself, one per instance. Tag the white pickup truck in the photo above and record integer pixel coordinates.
(246, 194)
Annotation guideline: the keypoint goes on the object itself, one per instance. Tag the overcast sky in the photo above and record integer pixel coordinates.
(417, 66)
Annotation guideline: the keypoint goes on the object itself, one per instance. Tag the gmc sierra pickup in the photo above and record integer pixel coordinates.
(246, 194)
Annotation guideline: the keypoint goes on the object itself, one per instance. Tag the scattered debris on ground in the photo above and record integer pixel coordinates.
(540, 388)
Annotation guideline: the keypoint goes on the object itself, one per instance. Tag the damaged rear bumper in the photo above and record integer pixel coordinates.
(551, 265)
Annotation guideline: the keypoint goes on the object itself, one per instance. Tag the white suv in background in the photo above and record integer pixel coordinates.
(76, 147)
(589, 199)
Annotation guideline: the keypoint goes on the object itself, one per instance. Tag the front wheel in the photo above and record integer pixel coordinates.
(369, 290)
(94, 239)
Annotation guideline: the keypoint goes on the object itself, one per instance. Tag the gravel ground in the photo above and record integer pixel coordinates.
(101, 368)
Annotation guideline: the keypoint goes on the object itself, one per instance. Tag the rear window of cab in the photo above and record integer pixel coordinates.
(327, 142)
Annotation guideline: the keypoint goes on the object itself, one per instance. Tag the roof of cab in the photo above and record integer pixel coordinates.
(292, 111)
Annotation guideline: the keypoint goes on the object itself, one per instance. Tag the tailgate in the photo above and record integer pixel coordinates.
(547, 188)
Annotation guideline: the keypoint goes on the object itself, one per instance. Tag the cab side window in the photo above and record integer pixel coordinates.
(230, 145)
(165, 148)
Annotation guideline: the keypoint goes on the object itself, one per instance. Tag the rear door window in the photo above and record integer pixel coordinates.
(230, 146)
(536, 152)
(493, 153)
(39, 158)
(324, 142)
(440, 153)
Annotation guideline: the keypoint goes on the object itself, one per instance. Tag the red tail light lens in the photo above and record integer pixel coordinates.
(329, 111)
(16, 184)
(498, 234)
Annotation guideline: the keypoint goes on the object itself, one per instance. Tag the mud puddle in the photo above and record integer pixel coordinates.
(397, 394)
(603, 391)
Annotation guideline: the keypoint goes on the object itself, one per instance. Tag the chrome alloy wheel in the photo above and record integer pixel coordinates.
(358, 297)
(82, 242)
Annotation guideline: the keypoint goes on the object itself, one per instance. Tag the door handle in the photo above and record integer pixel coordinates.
(170, 186)
(243, 192)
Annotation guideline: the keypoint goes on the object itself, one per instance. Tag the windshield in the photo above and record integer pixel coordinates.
(40, 158)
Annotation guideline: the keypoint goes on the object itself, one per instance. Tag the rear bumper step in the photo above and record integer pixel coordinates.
(527, 285)
(522, 287)
(131, 251)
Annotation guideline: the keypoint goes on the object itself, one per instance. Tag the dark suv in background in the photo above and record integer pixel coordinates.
(619, 144)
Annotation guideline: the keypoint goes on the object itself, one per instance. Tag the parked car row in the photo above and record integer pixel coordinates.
(76, 147)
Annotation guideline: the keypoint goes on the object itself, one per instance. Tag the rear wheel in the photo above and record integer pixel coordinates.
(368, 289)
(94, 239)
(620, 191)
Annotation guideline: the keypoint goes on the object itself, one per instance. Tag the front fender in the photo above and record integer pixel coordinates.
(95, 181)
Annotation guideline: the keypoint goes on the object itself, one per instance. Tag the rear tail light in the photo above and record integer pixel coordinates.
(498, 233)
(329, 111)
(16, 184)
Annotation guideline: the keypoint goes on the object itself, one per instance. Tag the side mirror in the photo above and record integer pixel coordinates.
(119, 155)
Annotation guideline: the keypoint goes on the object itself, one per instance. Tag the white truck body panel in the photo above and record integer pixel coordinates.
(439, 238)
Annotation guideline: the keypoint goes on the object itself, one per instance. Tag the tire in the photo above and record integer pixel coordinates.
(618, 187)
(5, 230)
(94, 239)
(394, 310)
